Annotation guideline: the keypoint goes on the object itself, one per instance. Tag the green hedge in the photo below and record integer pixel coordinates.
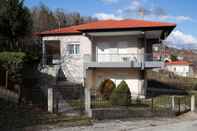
(121, 95)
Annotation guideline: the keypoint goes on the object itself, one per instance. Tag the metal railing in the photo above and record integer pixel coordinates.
(102, 58)
(137, 58)
(51, 60)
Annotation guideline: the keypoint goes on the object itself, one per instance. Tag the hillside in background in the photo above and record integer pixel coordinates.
(184, 54)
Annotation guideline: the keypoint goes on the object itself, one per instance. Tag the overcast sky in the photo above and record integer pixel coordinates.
(181, 12)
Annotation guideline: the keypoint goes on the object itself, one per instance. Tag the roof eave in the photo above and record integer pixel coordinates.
(58, 34)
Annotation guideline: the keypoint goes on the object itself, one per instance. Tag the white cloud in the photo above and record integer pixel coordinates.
(176, 18)
(180, 40)
(140, 9)
(183, 18)
(105, 16)
(135, 4)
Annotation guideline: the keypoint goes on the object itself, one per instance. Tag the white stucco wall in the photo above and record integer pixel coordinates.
(182, 70)
(73, 64)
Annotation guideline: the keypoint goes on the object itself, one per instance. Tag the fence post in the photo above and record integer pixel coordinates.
(152, 104)
(173, 103)
(88, 102)
(6, 79)
(88, 85)
(192, 103)
(50, 99)
(179, 104)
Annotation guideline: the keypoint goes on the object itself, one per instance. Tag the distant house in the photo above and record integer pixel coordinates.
(181, 68)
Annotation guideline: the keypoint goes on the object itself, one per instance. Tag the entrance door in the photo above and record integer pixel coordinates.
(52, 53)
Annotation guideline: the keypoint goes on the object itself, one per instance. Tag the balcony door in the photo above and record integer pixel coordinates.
(112, 52)
(106, 52)
(52, 51)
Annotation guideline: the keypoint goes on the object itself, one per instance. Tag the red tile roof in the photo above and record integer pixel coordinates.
(178, 63)
(108, 24)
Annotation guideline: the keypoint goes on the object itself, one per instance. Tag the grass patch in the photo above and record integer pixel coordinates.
(101, 104)
(14, 117)
(76, 103)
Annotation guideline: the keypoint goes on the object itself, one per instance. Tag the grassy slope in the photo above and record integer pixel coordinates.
(186, 83)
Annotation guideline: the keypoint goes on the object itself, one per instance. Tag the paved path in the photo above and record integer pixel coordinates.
(184, 123)
(142, 125)
(183, 126)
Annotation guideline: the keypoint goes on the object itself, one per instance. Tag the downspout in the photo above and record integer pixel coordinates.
(144, 56)
(43, 53)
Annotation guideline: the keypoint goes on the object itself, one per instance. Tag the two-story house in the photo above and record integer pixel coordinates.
(109, 49)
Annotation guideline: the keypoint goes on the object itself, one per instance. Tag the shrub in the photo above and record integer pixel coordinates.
(11, 58)
(12, 62)
(121, 95)
(106, 88)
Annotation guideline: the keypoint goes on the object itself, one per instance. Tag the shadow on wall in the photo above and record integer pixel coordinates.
(156, 88)
(60, 75)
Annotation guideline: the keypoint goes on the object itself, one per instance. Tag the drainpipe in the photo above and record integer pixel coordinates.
(144, 57)
(43, 53)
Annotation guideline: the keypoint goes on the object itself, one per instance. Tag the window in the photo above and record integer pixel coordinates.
(74, 49)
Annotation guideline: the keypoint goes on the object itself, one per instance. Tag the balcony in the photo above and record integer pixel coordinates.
(51, 60)
(122, 61)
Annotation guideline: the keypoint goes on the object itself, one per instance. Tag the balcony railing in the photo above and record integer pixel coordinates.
(100, 58)
(51, 60)
(122, 60)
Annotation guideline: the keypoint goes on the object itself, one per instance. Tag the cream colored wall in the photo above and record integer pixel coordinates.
(131, 76)
(73, 64)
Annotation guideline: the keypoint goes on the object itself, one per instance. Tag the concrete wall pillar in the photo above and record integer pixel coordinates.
(88, 102)
(50, 100)
(173, 103)
(88, 85)
(192, 103)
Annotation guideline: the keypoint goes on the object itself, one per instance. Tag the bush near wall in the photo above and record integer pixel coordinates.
(106, 88)
(121, 95)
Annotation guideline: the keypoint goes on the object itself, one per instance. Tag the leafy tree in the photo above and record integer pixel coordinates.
(45, 19)
(13, 63)
(173, 57)
(15, 21)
